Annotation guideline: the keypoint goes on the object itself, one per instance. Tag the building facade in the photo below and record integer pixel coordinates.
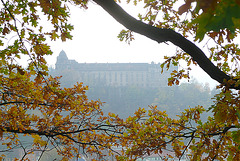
(112, 74)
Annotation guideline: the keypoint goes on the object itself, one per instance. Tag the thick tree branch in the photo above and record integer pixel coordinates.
(162, 35)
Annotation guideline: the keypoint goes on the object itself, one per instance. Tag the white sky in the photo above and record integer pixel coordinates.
(95, 40)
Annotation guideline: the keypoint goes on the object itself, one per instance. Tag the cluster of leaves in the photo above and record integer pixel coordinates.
(217, 20)
(21, 24)
(126, 35)
(153, 132)
(54, 117)
(31, 104)
(26, 25)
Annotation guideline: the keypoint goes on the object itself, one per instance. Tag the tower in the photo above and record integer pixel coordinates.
(62, 60)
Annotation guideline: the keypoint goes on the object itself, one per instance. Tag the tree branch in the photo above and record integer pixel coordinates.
(162, 35)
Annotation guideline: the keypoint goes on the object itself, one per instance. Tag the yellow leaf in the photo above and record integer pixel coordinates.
(36, 138)
(181, 143)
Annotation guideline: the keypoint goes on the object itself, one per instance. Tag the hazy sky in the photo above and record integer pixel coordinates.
(95, 40)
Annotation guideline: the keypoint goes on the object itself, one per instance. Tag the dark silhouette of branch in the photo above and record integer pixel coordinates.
(163, 35)
(192, 137)
(53, 133)
(226, 129)
(21, 102)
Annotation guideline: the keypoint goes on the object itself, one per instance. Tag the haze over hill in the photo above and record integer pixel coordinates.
(124, 87)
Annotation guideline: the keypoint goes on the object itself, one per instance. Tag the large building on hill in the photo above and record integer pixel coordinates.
(111, 74)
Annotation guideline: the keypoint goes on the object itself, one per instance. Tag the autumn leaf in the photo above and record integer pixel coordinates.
(185, 7)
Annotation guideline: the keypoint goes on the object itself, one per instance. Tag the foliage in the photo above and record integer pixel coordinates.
(53, 117)
(124, 101)
(65, 120)
(31, 104)
(218, 21)
(185, 95)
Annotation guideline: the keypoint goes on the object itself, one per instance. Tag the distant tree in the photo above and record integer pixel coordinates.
(177, 98)
(65, 120)
(124, 100)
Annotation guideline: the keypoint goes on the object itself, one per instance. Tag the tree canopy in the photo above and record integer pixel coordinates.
(65, 120)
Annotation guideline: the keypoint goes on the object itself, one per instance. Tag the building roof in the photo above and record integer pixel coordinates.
(62, 60)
